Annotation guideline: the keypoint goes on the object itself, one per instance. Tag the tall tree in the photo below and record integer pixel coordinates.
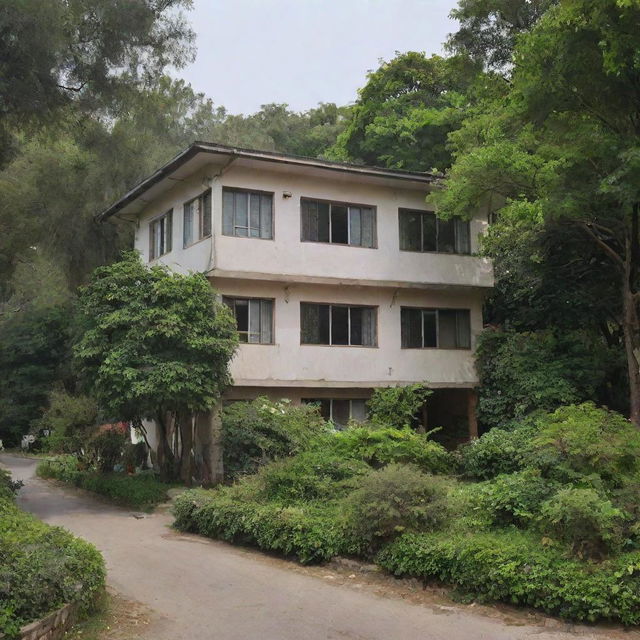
(564, 146)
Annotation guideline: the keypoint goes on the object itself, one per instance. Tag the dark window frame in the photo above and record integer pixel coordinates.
(227, 299)
(403, 211)
(204, 230)
(331, 305)
(349, 206)
(249, 193)
(437, 311)
(166, 220)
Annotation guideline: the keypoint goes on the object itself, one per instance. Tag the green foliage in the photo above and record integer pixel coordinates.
(498, 451)
(521, 372)
(33, 348)
(378, 447)
(405, 111)
(395, 499)
(513, 567)
(580, 517)
(311, 533)
(397, 407)
(512, 499)
(106, 449)
(142, 491)
(254, 433)
(583, 441)
(43, 568)
(69, 418)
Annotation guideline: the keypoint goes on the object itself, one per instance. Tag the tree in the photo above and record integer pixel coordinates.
(563, 146)
(405, 112)
(54, 53)
(155, 344)
(489, 29)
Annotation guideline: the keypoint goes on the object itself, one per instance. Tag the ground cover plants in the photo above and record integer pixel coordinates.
(542, 513)
(41, 567)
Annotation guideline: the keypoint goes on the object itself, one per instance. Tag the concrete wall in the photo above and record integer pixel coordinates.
(288, 363)
(286, 255)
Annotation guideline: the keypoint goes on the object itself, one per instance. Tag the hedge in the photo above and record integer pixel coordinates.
(514, 567)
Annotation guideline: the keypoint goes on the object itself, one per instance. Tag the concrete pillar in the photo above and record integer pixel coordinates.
(209, 446)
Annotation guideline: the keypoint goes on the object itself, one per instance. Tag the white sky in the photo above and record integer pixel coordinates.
(252, 52)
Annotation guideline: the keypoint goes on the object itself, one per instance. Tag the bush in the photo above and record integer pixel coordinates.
(397, 407)
(43, 567)
(254, 433)
(106, 449)
(512, 499)
(309, 533)
(394, 499)
(378, 447)
(496, 452)
(580, 441)
(581, 518)
(514, 567)
(142, 491)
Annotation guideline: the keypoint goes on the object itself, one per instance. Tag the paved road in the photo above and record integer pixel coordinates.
(197, 588)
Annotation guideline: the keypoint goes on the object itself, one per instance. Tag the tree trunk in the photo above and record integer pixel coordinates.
(186, 453)
(209, 440)
(166, 459)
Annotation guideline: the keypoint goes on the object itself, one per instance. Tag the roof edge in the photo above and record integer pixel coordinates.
(255, 154)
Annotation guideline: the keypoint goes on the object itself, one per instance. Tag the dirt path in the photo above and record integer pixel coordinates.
(192, 587)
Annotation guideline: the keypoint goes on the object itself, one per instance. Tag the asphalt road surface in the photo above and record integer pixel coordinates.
(198, 588)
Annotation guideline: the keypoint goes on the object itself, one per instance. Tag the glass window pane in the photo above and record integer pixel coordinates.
(339, 325)
(254, 321)
(168, 231)
(323, 222)
(339, 224)
(429, 232)
(411, 328)
(309, 213)
(429, 328)
(187, 225)
(446, 236)
(410, 231)
(463, 337)
(340, 410)
(369, 327)
(356, 325)
(241, 311)
(368, 226)
(266, 216)
(355, 236)
(254, 215)
(463, 240)
(227, 212)
(241, 211)
(266, 321)
(358, 410)
(314, 323)
(206, 214)
(447, 329)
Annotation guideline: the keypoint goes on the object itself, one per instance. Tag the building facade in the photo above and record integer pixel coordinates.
(341, 278)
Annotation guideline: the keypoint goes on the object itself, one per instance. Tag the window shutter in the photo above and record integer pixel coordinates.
(206, 214)
(266, 216)
(227, 212)
(266, 321)
(168, 232)
(463, 329)
(462, 234)
(368, 228)
(187, 224)
(355, 226)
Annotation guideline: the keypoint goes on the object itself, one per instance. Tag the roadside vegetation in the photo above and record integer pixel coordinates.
(43, 567)
(544, 513)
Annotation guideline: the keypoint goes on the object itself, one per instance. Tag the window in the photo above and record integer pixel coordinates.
(196, 219)
(424, 231)
(247, 214)
(160, 232)
(338, 223)
(435, 328)
(254, 317)
(340, 410)
(336, 324)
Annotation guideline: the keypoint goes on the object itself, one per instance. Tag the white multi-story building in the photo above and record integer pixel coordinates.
(341, 277)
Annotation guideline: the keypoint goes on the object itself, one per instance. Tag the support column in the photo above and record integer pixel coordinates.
(209, 438)
(472, 405)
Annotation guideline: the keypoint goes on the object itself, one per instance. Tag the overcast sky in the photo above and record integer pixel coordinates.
(252, 52)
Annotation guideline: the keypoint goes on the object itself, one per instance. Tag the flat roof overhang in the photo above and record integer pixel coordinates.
(201, 154)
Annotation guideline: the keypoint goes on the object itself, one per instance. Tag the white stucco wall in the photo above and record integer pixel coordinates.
(288, 363)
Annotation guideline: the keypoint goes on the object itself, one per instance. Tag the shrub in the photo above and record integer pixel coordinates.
(254, 433)
(308, 532)
(43, 567)
(65, 468)
(394, 499)
(378, 447)
(514, 567)
(590, 524)
(397, 407)
(578, 441)
(512, 499)
(106, 449)
(496, 452)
